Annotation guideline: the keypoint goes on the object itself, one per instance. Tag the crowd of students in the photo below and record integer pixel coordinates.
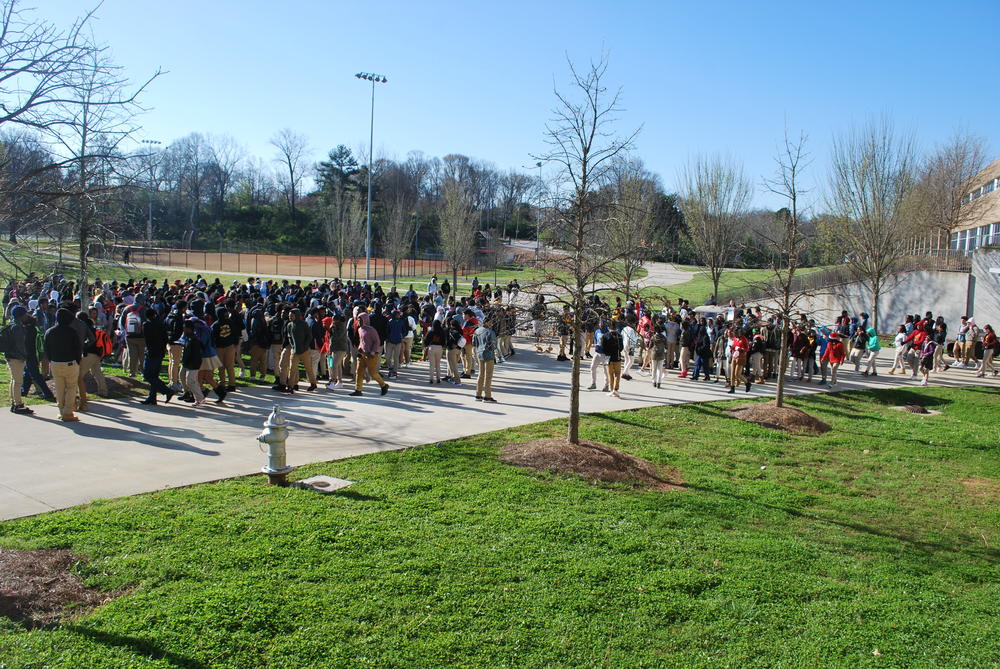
(207, 335)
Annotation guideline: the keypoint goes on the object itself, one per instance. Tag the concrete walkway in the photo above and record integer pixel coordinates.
(121, 447)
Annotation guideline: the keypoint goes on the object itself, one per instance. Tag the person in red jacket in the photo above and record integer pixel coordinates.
(834, 355)
(739, 346)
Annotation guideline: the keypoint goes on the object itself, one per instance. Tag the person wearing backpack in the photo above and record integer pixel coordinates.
(135, 342)
(174, 324)
(35, 348)
(91, 363)
(64, 351)
(14, 346)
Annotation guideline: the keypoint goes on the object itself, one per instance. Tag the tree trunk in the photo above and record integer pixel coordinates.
(779, 394)
(573, 431)
(454, 280)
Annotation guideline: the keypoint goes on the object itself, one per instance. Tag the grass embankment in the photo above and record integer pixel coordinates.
(873, 545)
(699, 288)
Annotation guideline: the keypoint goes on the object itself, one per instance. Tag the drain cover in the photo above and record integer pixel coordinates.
(323, 483)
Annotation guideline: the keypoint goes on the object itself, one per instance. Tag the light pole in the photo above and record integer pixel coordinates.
(152, 174)
(374, 78)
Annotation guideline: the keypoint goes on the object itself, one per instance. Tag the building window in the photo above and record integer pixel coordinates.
(954, 241)
(966, 198)
(989, 187)
(976, 194)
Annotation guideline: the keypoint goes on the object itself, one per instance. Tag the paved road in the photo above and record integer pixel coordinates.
(121, 447)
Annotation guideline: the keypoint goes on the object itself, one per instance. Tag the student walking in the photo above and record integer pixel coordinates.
(989, 350)
(64, 351)
(834, 355)
(369, 352)
(612, 346)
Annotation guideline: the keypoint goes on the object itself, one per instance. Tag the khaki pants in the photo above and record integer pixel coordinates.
(66, 375)
(484, 384)
(136, 347)
(739, 361)
(258, 360)
(392, 353)
(685, 359)
(671, 353)
(290, 367)
(468, 358)
(453, 363)
(335, 360)
(174, 368)
(16, 368)
(614, 375)
(367, 363)
(757, 365)
(227, 356)
(434, 355)
(91, 364)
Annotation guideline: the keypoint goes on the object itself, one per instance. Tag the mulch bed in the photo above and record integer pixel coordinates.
(784, 418)
(590, 460)
(37, 586)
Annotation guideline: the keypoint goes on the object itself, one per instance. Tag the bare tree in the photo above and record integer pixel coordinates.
(629, 229)
(343, 223)
(582, 144)
(457, 226)
(716, 195)
(939, 198)
(788, 242)
(227, 157)
(293, 150)
(871, 178)
(399, 230)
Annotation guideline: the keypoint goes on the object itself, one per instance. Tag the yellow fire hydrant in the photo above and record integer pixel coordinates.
(274, 435)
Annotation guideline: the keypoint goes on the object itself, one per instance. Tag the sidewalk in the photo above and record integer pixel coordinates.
(122, 448)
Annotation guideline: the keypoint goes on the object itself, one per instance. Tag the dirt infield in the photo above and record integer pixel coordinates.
(268, 264)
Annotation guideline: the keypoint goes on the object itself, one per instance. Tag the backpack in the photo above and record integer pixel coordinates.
(103, 343)
(133, 324)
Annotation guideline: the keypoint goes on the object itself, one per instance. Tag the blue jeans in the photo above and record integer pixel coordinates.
(701, 363)
(34, 375)
(151, 375)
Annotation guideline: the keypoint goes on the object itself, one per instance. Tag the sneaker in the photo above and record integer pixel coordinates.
(312, 387)
(356, 393)
(22, 410)
(605, 388)
(489, 400)
(187, 397)
(149, 401)
(627, 377)
(466, 376)
(75, 419)
(199, 403)
(924, 382)
(385, 389)
(615, 394)
(279, 387)
(169, 396)
(331, 386)
(479, 398)
(592, 386)
(230, 389)
(339, 385)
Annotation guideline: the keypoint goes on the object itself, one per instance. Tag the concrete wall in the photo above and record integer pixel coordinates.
(986, 286)
(944, 293)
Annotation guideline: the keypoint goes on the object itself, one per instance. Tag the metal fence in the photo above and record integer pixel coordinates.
(276, 265)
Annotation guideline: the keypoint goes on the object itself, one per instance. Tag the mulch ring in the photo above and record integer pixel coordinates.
(789, 419)
(37, 586)
(590, 460)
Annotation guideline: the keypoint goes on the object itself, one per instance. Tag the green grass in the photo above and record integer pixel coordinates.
(699, 288)
(442, 556)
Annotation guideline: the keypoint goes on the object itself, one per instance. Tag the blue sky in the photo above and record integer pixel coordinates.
(477, 78)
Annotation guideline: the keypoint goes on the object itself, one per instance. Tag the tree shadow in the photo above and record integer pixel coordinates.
(140, 647)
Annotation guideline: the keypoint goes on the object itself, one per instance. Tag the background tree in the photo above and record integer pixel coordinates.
(457, 225)
(937, 201)
(871, 177)
(293, 150)
(788, 240)
(633, 194)
(716, 196)
(582, 144)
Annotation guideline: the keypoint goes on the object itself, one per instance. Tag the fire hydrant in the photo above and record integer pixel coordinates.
(274, 435)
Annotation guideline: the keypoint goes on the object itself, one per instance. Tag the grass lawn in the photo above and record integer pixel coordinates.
(699, 288)
(874, 545)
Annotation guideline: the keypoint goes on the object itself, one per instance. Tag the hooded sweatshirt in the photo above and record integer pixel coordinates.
(873, 342)
(368, 339)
